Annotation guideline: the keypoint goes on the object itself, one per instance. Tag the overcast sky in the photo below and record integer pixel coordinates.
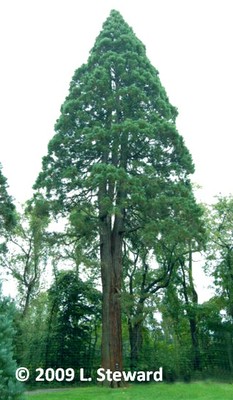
(188, 41)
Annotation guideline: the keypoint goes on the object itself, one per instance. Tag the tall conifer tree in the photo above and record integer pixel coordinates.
(115, 157)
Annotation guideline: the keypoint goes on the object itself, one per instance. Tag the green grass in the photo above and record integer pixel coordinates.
(159, 391)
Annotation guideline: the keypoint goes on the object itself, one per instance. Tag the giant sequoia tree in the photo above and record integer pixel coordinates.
(116, 163)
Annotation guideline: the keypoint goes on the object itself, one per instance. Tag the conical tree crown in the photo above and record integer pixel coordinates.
(116, 128)
(118, 69)
(123, 55)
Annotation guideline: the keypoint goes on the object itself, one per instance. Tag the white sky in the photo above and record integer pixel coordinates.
(188, 41)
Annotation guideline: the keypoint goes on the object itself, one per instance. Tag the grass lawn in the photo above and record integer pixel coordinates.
(159, 391)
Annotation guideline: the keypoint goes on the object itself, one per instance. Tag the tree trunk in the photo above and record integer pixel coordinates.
(135, 338)
(111, 273)
(191, 312)
(195, 343)
(27, 301)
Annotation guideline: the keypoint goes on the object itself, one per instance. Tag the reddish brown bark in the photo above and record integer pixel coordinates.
(111, 271)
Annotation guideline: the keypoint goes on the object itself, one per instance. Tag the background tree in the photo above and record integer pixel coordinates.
(181, 317)
(27, 250)
(219, 264)
(191, 305)
(115, 151)
(7, 211)
(61, 327)
(215, 337)
(151, 260)
(73, 322)
(10, 388)
(31, 335)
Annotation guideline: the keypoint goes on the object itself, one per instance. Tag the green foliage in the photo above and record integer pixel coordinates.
(216, 340)
(10, 388)
(7, 211)
(73, 320)
(31, 334)
(219, 221)
(61, 327)
(116, 150)
(7, 217)
(27, 247)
